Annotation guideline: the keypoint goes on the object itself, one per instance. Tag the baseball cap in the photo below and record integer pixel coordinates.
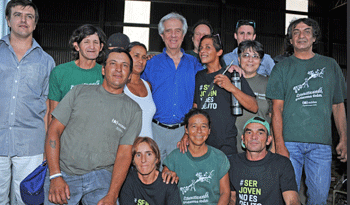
(259, 120)
(118, 40)
(32, 187)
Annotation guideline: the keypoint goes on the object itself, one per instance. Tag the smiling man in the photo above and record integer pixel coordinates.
(172, 77)
(87, 43)
(25, 68)
(258, 176)
(90, 138)
(306, 89)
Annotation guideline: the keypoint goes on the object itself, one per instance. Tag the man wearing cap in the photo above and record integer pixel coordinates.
(258, 176)
(246, 30)
(87, 44)
(24, 74)
(118, 40)
(172, 77)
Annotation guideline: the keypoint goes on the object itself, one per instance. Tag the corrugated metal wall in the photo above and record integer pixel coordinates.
(59, 19)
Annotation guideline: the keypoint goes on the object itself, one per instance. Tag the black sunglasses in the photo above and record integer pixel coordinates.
(245, 22)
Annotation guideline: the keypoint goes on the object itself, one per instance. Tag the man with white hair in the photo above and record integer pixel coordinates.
(172, 77)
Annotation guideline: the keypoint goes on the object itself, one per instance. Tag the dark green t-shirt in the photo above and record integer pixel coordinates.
(308, 88)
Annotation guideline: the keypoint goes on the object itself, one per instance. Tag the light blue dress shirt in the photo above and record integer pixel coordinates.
(23, 93)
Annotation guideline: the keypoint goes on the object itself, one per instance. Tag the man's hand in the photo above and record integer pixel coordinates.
(59, 191)
(342, 151)
(182, 145)
(168, 175)
(107, 200)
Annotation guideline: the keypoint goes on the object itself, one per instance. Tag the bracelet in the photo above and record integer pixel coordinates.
(55, 175)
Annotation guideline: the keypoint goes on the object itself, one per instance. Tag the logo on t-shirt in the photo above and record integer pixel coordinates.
(119, 127)
(210, 100)
(201, 178)
(309, 98)
(249, 192)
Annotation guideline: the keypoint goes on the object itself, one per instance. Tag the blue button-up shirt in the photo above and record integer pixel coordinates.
(264, 69)
(172, 88)
(23, 93)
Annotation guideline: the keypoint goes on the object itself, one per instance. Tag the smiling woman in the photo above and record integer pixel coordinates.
(203, 170)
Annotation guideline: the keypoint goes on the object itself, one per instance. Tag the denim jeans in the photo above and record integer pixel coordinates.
(316, 160)
(90, 188)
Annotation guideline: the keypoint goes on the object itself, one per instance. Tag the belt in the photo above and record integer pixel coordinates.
(174, 126)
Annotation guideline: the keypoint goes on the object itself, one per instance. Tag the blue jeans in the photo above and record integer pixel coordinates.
(90, 188)
(316, 160)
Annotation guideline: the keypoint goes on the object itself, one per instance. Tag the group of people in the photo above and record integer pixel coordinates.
(118, 126)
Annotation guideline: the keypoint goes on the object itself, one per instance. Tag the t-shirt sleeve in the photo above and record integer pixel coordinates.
(196, 91)
(173, 195)
(126, 193)
(50, 66)
(133, 129)
(54, 87)
(64, 109)
(340, 89)
(287, 177)
(170, 160)
(275, 88)
(224, 166)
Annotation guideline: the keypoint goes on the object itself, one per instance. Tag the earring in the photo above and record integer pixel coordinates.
(243, 145)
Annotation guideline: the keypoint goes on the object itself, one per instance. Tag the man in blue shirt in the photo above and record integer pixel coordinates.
(246, 30)
(172, 77)
(25, 70)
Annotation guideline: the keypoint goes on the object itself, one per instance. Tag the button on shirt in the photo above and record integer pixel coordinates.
(264, 69)
(172, 88)
(23, 93)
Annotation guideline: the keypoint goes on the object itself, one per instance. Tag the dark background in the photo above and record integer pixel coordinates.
(58, 19)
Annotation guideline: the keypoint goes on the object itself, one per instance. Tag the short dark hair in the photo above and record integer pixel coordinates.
(316, 31)
(82, 32)
(254, 45)
(216, 41)
(135, 43)
(204, 22)
(24, 3)
(118, 50)
(245, 22)
(193, 112)
(153, 145)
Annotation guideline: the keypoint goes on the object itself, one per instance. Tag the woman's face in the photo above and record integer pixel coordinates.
(198, 129)
(207, 51)
(139, 57)
(250, 62)
(145, 159)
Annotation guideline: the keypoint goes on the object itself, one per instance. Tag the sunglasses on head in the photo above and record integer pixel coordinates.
(245, 22)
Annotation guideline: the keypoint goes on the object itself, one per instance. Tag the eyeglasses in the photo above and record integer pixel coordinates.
(218, 36)
(245, 22)
(247, 56)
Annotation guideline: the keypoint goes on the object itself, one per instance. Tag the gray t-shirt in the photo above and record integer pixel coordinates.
(97, 122)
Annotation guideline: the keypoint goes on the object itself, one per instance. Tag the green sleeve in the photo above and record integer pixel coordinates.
(54, 87)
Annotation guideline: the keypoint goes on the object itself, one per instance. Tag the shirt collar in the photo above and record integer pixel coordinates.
(6, 39)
